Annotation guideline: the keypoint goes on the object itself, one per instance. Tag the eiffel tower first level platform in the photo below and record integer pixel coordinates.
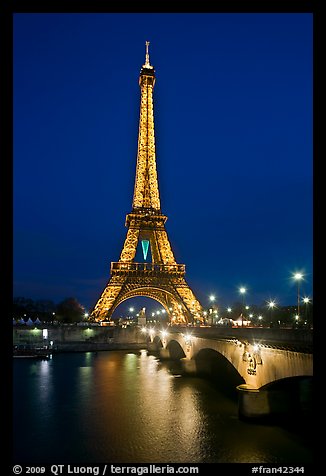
(147, 266)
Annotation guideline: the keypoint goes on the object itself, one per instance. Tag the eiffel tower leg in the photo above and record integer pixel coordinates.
(104, 306)
(190, 302)
(129, 248)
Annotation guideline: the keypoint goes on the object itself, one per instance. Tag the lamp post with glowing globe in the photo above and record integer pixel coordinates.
(306, 300)
(298, 277)
(271, 305)
(242, 291)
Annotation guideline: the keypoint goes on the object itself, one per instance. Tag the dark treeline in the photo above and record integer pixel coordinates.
(68, 310)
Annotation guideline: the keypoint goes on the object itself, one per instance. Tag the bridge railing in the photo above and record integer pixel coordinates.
(302, 339)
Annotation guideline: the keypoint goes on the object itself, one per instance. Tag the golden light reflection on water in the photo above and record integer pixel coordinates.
(129, 407)
(142, 398)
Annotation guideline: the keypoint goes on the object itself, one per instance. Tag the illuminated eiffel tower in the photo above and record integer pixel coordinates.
(160, 277)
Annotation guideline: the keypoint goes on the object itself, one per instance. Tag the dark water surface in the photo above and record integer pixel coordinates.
(128, 407)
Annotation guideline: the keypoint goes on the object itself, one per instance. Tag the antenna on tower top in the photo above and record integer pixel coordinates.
(147, 63)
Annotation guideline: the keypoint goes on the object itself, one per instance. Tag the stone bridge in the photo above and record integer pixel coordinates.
(258, 357)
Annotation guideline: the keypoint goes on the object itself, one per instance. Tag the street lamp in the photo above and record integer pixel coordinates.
(271, 305)
(297, 277)
(164, 334)
(306, 300)
(242, 291)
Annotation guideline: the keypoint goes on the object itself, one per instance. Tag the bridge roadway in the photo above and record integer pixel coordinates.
(281, 338)
(259, 357)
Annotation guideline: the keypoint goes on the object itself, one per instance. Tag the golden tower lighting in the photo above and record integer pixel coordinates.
(157, 275)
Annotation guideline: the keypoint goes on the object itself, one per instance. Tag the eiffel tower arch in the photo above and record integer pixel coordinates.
(157, 275)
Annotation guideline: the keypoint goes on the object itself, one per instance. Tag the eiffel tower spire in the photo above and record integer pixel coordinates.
(162, 279)
(147, 63)
(146, 192)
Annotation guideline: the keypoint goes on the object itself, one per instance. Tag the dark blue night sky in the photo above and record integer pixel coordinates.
(233, 124)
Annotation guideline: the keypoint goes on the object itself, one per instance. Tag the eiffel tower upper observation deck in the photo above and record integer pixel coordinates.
(156, 274)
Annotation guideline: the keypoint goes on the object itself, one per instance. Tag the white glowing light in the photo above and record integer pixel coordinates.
(188, 338)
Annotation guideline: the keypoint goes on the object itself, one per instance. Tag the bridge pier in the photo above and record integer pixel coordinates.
(151, 346)
(164, 353)
(189, 366)
(253, 403)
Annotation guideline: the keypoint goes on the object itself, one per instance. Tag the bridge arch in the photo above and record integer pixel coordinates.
(218, 368)
(175, 350)
(286, 382)
(157, 343)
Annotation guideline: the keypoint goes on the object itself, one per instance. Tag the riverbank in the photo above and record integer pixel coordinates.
(79, 339)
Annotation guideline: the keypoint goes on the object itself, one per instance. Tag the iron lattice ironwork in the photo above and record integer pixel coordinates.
(162, 279)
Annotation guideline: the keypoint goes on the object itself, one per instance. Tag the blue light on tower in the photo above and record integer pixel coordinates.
(145, 246)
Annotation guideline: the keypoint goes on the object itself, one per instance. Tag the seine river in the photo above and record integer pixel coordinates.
(129, 407)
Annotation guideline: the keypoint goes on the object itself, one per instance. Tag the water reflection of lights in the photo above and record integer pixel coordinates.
(189, 416)
(88, 357)
(85, 383)
(45, 381)
(163, 411)
(143, 353)
(131, 361)
(44, 367)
